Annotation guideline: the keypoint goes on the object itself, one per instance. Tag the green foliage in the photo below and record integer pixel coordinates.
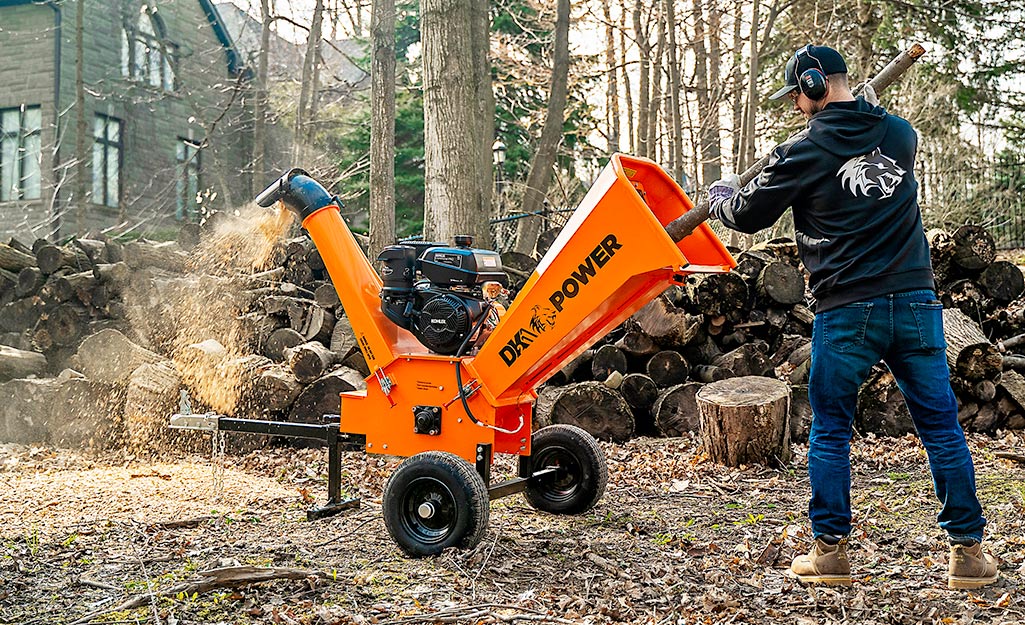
(353, 147)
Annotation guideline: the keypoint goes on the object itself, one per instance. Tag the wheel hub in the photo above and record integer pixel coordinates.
(425, 510)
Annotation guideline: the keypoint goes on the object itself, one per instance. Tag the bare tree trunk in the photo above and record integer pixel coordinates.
(307, 92)
(713, 136)
(627, 91)
(738, 91)
(612, 100)
(453, 120)
(260, 103)
(643, 86)
(486, 132)
(544, 157)
(382, 126)
(81, 129)
(748, 137)
(675, 88)
(655, 103)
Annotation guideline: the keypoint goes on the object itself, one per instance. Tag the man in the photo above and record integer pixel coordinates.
(849, 178)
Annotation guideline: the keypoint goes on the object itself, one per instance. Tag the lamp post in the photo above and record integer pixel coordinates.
(498, 150)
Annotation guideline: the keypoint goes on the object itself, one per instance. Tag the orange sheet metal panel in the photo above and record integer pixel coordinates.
(359, 288)
(387, 420)
(612, 257)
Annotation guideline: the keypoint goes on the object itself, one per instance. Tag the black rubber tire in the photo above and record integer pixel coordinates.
(582, 476)
(455, 491)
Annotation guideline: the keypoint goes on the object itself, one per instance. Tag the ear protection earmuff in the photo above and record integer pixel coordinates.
(812, 82)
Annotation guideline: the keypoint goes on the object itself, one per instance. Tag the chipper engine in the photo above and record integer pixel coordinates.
(453, 377)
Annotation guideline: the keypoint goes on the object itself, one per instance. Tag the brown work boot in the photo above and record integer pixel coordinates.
(971, 567)
(824, 564)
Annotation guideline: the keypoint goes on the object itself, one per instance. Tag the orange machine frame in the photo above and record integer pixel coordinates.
(612, 257)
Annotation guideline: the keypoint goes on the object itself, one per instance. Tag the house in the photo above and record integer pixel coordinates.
(152, 128)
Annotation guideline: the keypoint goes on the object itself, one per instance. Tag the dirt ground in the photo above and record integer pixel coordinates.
(675, 540)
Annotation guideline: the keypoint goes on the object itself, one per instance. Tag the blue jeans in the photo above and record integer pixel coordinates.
(904, 330)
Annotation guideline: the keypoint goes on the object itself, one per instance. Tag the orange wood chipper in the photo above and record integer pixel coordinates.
(453, 378)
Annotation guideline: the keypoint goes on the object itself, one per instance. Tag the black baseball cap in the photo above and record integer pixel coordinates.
(823, 58)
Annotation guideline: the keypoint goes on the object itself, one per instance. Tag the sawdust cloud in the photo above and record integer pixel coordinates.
(200, 318)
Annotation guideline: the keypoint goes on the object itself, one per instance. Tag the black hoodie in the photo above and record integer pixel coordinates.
(849, 177)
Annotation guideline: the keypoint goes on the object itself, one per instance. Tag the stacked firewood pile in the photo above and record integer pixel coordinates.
(99, 337)
(644, 377)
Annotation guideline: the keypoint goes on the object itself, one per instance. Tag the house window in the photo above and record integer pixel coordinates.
(20, 153)
(187, 181)
(106, 160)
(146, 55)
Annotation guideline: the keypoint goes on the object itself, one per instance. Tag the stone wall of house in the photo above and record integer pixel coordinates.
(27, 41)
(209, 105)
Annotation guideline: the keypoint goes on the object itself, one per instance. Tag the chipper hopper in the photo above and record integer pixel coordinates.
(454, 377)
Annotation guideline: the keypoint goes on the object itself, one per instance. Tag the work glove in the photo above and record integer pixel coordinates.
(868, 93)
(721, 192)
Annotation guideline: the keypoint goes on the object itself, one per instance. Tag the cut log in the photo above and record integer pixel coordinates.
(970, 355)
(95, 250)
(321, 397)
(166, 256)
(666, 324)
(87, 414)
(1002, 281)
(22, 314)
(15, 363)
(592, 406)
(309, 361)
(280, 340)
(746, 360)
(151, 396)
(343, 339)
(800, 413)
(607, 358)
(116, 276)
(639, 391)
(1013, 383)
(667, 368)
(974, 248)
(77, 286)
(318, 324)
(881, 407)
(273, 390)
(29, 281)
(65, 325)
(326, 296)
(109, 357)
(676, 410)
(25, 409)
(716, 293)
(189, 236)
(576, 369)
(637, 345)
(711, 373)
(781, 284)
(14, 260)
(50, 258)
(745, 420)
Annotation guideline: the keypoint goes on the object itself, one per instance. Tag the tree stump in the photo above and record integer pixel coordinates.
(745, 420)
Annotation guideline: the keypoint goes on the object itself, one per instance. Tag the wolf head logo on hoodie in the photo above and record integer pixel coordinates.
(874, 170)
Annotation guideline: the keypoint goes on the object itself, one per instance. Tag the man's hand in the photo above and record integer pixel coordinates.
(868, 93)
(721, 192)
